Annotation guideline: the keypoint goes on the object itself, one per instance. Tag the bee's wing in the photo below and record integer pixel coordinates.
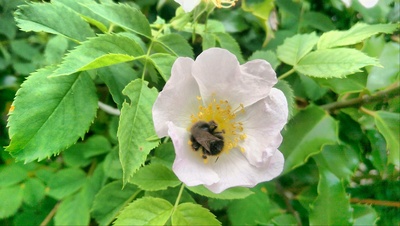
(205, 139)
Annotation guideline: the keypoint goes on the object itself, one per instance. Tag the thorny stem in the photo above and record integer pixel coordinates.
(50, 215)
(375, 202)
(391, 92)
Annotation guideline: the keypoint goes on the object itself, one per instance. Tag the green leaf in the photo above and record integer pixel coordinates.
(328, 63)
(339, 160)
(305, 136)
(48, 117)
(124, 16)
(284, 219)
(112, 165)
(254, 209)
(53, 18)
(229, 43)
(388, 124)
(154, 177)
(12, 174)
(100, 51)
(289, 94)
(208, 40)
(96, 145)
(34, 191)
(116, 77)
(55, 49)
(66, 182)
(378, 155)
(175, 44)
(115, 199)
(135, 126)
(381, 77)
(354, 83)
(73, 211)
(193, 214)
(145, 211)
(332, 206)
(231, 193)
(266, 55)
(318, 21)
(163, 63)
(12, 197)
(164, 154)
(171, 194)
(364, 215)
(295, 48)
(354, 35)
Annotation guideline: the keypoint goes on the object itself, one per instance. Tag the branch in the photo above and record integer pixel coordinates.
(357, 102)
(108, 109)
(50, 215)
(375, 202)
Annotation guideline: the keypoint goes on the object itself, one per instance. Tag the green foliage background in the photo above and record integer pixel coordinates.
(68, 162)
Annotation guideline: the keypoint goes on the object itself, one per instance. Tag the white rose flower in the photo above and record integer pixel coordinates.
(224, 120)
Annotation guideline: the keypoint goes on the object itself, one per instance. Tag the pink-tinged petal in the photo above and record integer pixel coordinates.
(177, 101)
(219, 75)
(262, 123)
(234, 170)
(188, 5)
(188, 166)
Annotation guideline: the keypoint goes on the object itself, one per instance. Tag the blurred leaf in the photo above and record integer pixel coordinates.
(12, 174)
(354, 35)
(208, 41)
(254, 209)
(11, 200)
(306, 135)
(95, 145)
(364, 215)
(231, 193)
(53, 18)
(154, 177)
(116, 77)
(135, 126)
(378, 155)
(170, 194)
(164, 154)
(332, 206)
(339, 62)
(124, 16)
(55, 49)
(7, 25)
(163, 63)
(353, 84)
(268, 56)
(115, 199)
(284, 219)
(112, 165)
(66, 182)
(379, 77)
(295, 48)
(101, 51)
(34, 191)
(24, 49)
(388, 124)
(307, 197)
(174, 44)
(72, 211)
(48, 117)
(318, 21)
(229, 43)
(193, 214)
(311, 89)
(339, 160)
(145, 211)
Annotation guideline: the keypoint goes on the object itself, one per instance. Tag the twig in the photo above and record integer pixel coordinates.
(50, 215)
(289, 206)
(108, 109)
(375, 202)
(357, 102)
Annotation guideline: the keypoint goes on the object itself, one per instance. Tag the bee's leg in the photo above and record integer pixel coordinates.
(195, 144)
(204, 153)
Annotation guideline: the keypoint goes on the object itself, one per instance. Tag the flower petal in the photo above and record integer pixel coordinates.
(188, 5)
(234, 170)
(177, 101)
(262, 124)
(218, 73)
(188, 166)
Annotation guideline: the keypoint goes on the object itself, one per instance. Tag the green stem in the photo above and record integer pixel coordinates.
(178, 198)
(291, 71)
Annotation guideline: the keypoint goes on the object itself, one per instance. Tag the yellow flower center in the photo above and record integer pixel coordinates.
(224, 3)
(221, 112)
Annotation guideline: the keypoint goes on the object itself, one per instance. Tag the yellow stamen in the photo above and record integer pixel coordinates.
(224, 3)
